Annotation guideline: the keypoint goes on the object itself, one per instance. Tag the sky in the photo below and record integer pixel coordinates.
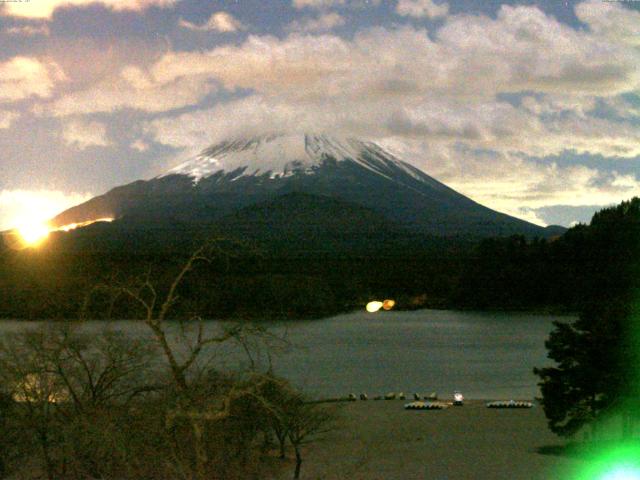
(531, 108)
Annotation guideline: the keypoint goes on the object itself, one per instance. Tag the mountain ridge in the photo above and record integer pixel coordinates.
(234, 174)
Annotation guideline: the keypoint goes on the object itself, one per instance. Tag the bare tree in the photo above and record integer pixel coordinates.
(56, 375)
(199, 408)
(305, 422)
(292, 417)
(156, 313)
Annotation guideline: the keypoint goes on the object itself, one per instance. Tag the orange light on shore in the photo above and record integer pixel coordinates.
(374, 306)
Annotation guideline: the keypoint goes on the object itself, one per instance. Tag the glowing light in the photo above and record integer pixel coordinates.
(33, 233)
(374, 306)
(622, 473)
(388, 304)
(73, 226)
(618, 461)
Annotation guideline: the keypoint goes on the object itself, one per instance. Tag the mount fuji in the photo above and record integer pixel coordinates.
(303, 188)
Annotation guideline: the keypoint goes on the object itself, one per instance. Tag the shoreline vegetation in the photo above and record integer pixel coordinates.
(359, 309)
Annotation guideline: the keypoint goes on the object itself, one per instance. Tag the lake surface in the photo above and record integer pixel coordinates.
(484, 355)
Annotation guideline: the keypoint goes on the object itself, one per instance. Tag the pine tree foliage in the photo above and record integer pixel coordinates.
(597, 357)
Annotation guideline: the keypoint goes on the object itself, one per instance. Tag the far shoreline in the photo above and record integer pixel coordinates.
(287, 319)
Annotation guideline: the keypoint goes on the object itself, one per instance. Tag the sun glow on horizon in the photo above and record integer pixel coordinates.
(32, 232)
(25, 215)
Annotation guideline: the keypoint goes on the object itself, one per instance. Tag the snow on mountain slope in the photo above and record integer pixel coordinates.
(281, 156)
(238, 173)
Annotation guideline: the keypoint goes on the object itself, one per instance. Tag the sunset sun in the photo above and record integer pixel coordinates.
(32, 232)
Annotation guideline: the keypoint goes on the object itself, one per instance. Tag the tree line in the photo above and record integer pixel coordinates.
(514, 273)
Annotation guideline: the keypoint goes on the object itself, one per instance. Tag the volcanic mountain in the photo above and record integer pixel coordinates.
(300, 187)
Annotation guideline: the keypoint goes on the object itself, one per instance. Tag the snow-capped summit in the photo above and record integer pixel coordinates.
(285, 155)
(278, 155)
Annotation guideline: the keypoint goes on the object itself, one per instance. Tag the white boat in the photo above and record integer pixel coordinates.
(425, 406)
(509, 404)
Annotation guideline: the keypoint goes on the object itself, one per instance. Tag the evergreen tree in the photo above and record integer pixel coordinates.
(593, 367)
(597, 356)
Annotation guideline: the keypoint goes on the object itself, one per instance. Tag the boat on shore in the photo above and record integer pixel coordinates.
(509, 404)
(418, 405)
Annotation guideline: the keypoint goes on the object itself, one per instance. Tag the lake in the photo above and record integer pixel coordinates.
(484, 355)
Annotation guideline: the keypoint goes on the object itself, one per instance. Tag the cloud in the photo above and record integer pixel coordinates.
(218, 22)
(609, 20)
(528, 50)
(527, 214)
(518, 186)
(521, 50)
(422, 8)
(139, 145)
(23, 77)
(571, 186)
(7, 117)
(29, 30)
(622, 107)
(45, 8)
(83, 134)
(400, 82)
(42, 205)
(322, 23)
(327, 4)
(318, 4)
(134, 88)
